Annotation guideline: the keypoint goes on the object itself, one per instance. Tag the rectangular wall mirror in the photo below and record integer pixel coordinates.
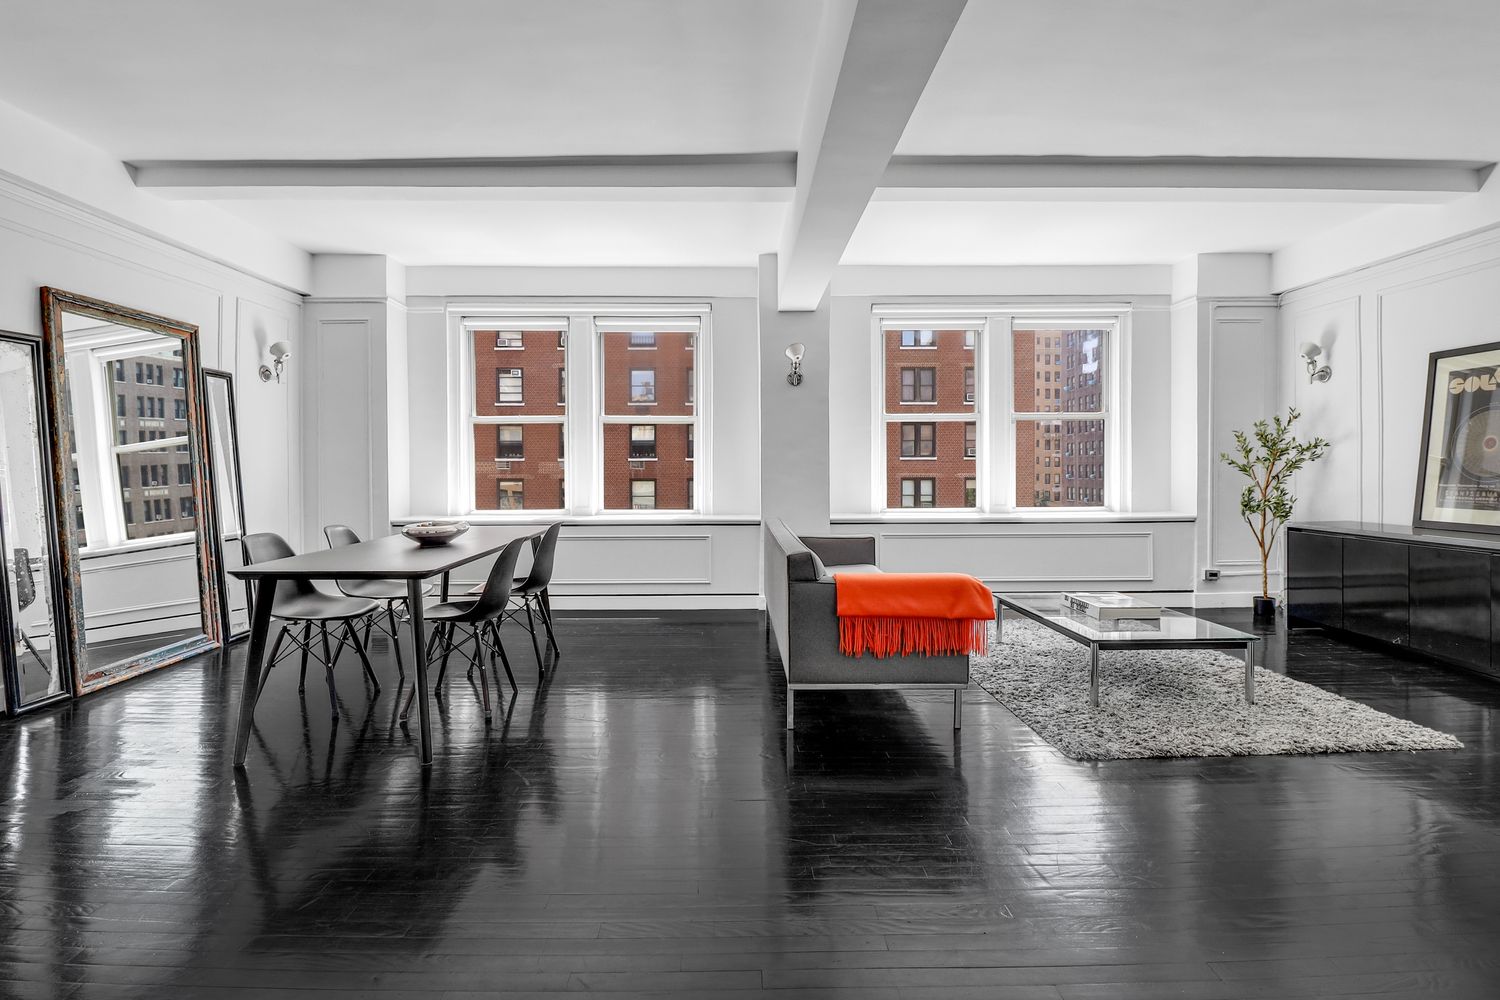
(224, 444)
(34, 660)
(136, 504)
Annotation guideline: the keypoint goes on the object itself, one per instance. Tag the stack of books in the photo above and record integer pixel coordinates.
(1111, 607)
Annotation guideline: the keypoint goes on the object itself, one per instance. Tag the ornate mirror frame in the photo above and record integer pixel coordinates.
(55, 302)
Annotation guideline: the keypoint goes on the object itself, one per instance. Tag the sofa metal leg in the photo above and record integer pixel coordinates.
(958, 709)
(789, 708)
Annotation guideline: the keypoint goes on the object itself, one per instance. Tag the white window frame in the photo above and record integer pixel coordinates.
(994, 415)
(581, 324)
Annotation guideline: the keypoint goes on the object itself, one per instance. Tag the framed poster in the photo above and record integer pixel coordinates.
(1458, 473)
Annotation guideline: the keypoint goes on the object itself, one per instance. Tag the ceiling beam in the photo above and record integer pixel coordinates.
(1195, 172)
(746, 170)
(775, 174)
(874, 60)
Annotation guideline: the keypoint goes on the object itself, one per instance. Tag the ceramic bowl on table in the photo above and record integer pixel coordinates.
(432, 533)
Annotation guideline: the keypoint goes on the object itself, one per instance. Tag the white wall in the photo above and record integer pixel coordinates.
(1377, 327)
(48, 240)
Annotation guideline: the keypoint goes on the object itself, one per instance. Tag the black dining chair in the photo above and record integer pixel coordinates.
(475, 625)
(390, 593)
(533, 589)
(298, 602)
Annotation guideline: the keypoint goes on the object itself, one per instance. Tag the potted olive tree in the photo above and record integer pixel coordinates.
(1269, 456)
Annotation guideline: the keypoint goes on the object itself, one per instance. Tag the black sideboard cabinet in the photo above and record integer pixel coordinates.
(1436, 593)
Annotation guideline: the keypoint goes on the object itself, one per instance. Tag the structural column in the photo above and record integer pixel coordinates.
(793, 419)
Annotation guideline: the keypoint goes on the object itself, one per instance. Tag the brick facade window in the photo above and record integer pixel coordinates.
(917, 338)
(919, 492)
(510, 442)
(510, 384)
(643, 494)
(642, 386)
(643, 441)
(919, 440)
(919, 385)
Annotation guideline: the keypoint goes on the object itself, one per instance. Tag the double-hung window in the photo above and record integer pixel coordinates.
(630, 416)
(1045, 439)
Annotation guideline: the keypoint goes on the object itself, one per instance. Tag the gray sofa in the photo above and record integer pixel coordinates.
(801, 603)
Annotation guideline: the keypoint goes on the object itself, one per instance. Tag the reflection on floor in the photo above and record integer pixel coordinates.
(102, 654)
(639, 825)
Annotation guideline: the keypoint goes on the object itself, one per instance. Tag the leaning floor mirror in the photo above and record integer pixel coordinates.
(32, 658)
(224, 439)
(136, 503)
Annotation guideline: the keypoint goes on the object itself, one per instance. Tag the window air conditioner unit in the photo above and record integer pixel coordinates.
(968, 397)
(637, 466)
(503, 465)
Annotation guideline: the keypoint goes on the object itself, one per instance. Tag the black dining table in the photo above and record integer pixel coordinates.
(394, 557)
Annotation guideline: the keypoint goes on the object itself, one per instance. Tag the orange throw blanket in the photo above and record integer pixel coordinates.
(896, 614)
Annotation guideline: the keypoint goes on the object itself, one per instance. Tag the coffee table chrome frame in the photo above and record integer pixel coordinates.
(1246, 646)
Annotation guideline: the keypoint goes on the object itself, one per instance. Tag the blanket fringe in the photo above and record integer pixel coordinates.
(886, 636)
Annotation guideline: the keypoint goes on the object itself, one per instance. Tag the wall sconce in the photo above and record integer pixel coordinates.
(794, 354)
(1310, 353)
(280, 351)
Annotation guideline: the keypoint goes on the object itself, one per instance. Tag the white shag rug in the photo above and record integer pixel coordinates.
(1176, 703)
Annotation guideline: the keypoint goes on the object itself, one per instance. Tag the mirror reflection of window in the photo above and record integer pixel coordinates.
(26, 533)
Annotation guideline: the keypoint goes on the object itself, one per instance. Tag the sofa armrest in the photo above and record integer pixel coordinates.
(842, 550)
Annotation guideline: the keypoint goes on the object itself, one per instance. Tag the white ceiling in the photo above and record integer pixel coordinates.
(293, 79)
(1365, 78)
(352, 79)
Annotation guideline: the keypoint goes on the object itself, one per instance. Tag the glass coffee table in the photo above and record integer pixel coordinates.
(1173, 631)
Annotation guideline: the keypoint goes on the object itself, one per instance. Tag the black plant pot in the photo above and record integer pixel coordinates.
(1265, 608)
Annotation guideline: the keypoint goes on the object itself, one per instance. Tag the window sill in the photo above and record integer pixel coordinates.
(608, 518)
(176, 540)
(1083, 516)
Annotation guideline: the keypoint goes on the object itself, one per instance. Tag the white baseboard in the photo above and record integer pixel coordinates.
(1222, 599)
(659, 602)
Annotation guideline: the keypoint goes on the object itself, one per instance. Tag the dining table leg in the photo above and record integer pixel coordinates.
(255, 666)
(419, 657)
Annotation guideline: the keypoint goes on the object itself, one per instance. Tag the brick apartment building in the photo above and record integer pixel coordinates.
(930, 463)
(156, 485)
(519, 466)
(648, 461)
(1083, 440)
(649, 399)
(1059, 462)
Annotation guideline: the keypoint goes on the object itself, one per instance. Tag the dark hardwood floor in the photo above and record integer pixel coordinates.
(637, 826)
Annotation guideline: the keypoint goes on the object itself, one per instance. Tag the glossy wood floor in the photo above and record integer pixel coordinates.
(637, 826)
